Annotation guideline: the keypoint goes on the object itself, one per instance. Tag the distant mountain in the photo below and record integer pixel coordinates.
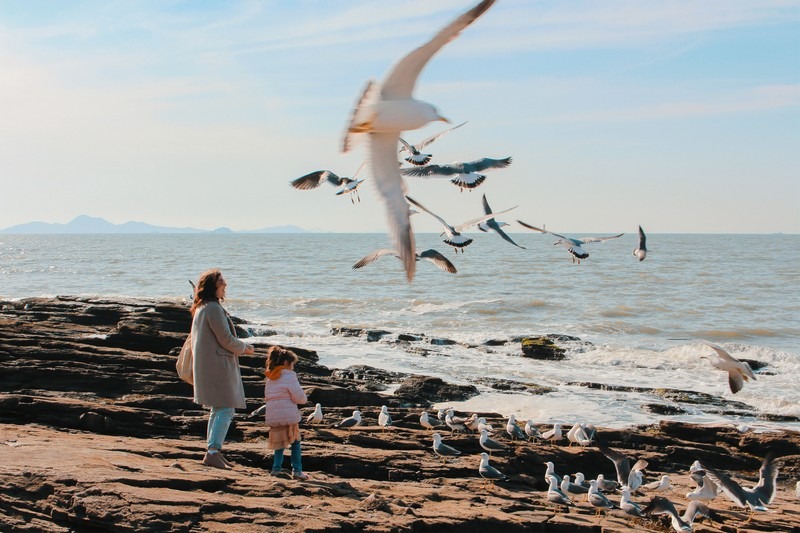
(87, 224)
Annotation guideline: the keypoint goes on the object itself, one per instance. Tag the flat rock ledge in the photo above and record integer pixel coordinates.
(97, 433)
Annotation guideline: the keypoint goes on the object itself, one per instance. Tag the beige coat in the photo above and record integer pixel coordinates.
(217, 378)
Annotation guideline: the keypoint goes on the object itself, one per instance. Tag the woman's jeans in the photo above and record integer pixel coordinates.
(297, 463)
(218, 423)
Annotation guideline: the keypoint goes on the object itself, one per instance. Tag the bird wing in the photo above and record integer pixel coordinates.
(642, 239)
(621, 463)
(584, 240)
(425, 142)
(486, 164)
(540, 230)
(475, 221)
(434, 170)
(374, 256)
(406, 147)
(492, 223)
(439, 260)
(447, 227)
(402, 77)
(312, 180)
(392, 188)
(734, 491)
(767, 475)
(661, 505)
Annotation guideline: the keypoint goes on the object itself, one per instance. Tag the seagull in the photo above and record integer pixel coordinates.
(455, 423)
(315, 417)
(194, 290)
(386, 109)
(352, 421)
(488, 472)
(427, 422)
(489, 444)
(454, 236)
(738, 371)
(626, 475)
(641, 252)
(757, 497)
(472, 422)
(314, 179)
(495, 226)
(417, 158)
(431, 255)
(629, 506)
(550, 472)
(706, 489)
(258, 412)
(573, 246)
(513, 430)
(579, 480)
(443, 450)
(797, 489)
(483, 425)
(662, 485)
(384, 419)
(661, 505)
(577, 435)
(572, 488)
(695, 509)
(606, 484)
(554, 435)
(556, 494)
(441, 414)
(597, 498)
(465, 175)
(531, 431)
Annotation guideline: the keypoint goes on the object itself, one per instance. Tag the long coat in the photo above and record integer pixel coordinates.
(216, 350)
(282, 396)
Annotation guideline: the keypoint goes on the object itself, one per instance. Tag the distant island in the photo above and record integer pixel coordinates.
(88, 224)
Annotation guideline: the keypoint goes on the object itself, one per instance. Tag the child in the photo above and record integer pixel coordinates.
(283, 394)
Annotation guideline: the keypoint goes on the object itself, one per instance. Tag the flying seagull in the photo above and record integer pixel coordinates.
(738, 371)
(464, 175)
(573, 246)
(454, 237)
(431, 255)
(494, 225)
(417, 158)
(315, 179)
(661, 505)
(757, 497)
(641, 252)
(630, 476)
(386, 109)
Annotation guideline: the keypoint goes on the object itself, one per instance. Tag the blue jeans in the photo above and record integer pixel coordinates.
(297, 463)
(219, 420)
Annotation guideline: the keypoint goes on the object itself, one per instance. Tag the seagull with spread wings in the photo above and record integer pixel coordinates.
(431, 255)
(641, 251)
(347, 185)
(453, 233)
(464, 175)
(386, 109)
(757, 497)
(494, 225)
(738, 371)
(573, 246)
(417, 158)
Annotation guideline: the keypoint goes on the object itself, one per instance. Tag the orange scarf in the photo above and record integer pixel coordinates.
(276, 372)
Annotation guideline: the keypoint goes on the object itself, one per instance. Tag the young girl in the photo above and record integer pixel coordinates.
(283, 394)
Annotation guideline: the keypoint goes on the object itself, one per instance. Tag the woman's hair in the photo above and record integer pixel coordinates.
(277, 356)
(206, 290)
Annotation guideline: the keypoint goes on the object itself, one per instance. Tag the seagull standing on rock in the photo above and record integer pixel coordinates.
(426, 422)
(386, 109)
(489, 444)
(443, 450)
(352, 421)
(315, 418)
(513, 430)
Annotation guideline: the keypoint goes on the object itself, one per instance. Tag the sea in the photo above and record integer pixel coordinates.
(640, 324)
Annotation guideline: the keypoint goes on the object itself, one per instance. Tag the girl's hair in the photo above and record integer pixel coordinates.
(206, 290)
(277, 356)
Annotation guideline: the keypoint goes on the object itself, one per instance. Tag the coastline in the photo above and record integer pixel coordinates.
(97, 431)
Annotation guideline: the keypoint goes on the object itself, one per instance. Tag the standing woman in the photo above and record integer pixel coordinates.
(217, 378)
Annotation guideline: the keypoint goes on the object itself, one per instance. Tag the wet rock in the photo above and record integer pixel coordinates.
(514, 386)
(347, 332)
(443, 342)
(541, 348)
(425, 390)
(410, 337)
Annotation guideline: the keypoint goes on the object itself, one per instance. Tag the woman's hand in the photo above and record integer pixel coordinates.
(249, 350)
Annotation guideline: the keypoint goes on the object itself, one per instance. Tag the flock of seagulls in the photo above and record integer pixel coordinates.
(385, 110)
(568, 491)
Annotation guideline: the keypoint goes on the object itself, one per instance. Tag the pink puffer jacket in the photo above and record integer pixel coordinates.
(282, 396)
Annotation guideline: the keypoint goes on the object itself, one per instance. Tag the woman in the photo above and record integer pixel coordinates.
(283, 394)
(217, 378)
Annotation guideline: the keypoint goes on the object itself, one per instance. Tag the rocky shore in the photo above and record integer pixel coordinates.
(97, 433)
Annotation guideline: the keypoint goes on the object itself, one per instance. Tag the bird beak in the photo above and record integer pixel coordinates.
(441, 118)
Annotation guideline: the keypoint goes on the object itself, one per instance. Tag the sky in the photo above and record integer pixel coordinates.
(681, 117)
